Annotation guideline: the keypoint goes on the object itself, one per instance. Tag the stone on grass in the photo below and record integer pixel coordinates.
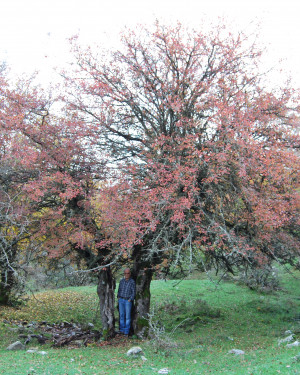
(16, 346)
(287, 339)
(134, 351)
(296, 343)
(42, 352)
(236, 351)
(288, 332)
(143, 358)
(163, 371)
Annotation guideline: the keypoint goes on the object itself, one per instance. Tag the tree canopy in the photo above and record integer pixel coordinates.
(205, 154)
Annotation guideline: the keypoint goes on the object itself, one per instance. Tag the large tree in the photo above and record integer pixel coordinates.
(204, 153)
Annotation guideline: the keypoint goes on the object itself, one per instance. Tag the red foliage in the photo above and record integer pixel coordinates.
(205, 155)
(49, 165)
(202, 155)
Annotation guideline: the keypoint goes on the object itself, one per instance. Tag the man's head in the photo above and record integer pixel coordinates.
(127, 273)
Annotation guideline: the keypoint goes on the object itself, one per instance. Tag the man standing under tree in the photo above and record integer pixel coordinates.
(126, 295)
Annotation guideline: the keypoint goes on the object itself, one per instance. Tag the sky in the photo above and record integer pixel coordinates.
(34, 33)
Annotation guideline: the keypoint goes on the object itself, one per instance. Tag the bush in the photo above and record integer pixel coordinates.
(160, 339)
(261, 279)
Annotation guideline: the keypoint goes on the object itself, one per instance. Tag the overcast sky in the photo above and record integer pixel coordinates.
(33, 33)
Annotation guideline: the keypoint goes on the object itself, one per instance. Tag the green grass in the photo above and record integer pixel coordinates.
(212, 320)
(77, 304)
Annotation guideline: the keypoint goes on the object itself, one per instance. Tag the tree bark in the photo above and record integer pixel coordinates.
(106, 293)
(142, 274)
(141, 309)
(6, 285)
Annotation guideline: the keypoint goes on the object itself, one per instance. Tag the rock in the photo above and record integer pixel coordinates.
(31, 351)
(16, 346)
(288, 332)
(163, 371)
(287, 339)
(236, 351)
(135, 350)
(143, 358)
(296, 343)
(42, 353)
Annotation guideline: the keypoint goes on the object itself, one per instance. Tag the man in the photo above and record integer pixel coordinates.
(126, 295)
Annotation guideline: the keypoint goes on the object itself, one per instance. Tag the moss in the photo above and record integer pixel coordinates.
(142, 327)
(142, 322)
(105, 334)
(145, 293)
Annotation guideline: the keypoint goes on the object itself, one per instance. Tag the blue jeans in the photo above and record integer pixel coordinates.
(125, 315)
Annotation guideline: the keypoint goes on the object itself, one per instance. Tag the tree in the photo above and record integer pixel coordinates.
(48, 176)
(205, 154)
(15, 217)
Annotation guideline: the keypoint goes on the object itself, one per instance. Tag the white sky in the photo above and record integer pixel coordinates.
(33, 33)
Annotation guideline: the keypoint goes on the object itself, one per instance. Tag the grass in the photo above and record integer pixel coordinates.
(211, 321)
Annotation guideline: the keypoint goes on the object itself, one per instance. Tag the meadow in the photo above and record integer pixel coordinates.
(197, 322)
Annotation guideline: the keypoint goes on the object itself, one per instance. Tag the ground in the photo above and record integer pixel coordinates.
(203, 321)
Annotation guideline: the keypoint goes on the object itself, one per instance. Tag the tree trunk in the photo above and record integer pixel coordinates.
(106, 292)
(6, 285)
(4, 295)
(142, 274)
(142, 303)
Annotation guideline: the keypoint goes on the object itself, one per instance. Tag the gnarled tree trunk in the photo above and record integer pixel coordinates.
(142, 274)
(142, 303)
(106, 292)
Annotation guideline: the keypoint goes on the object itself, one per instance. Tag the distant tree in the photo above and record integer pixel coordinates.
(205, 155)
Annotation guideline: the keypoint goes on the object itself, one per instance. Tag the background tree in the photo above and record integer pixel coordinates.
(48, 177)
(16, 221)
